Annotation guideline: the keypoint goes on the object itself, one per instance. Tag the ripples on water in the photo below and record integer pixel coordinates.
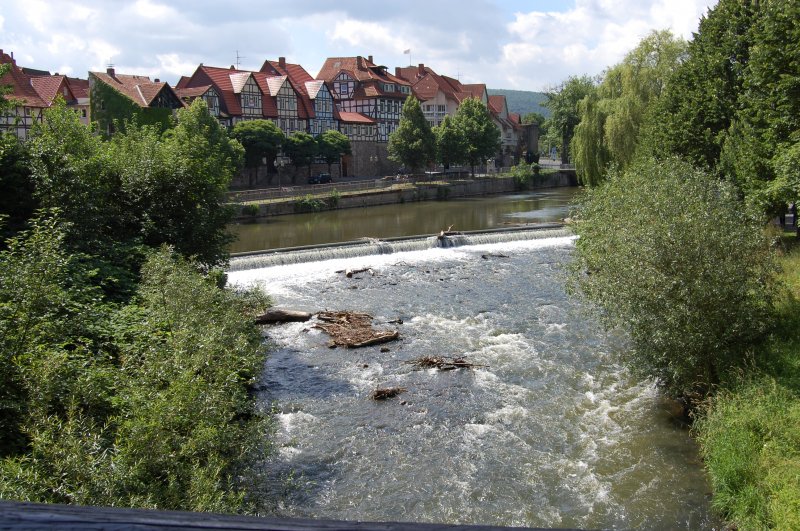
(554, 433)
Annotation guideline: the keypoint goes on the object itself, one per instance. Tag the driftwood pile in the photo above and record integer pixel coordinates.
(443, 363)
(353, 329)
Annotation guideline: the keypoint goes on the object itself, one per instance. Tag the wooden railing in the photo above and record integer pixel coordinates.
(30, 516)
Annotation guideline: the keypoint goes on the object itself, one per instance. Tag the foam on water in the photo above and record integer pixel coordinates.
(553, 432)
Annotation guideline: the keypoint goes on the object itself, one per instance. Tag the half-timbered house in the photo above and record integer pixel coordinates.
(32, 92)
(359, 85)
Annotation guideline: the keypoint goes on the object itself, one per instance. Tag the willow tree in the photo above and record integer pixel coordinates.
(616, 111)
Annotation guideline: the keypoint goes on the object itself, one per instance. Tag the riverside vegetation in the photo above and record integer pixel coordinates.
(127, 368)
(689, 150)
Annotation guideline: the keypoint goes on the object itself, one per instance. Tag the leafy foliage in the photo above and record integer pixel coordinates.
(563, 104)
(17, 202)
(412, 144)
(144, 405)
(301, 148)
(450, 143)
(331, 145)
(611, 116)
(261, 139)
(700, 101)
(481, 136)
(655, 255)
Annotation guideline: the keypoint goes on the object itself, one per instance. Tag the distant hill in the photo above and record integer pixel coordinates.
(523, 101)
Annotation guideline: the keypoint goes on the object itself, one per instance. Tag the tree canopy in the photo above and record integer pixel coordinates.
(261, 139)
(563, 104)
(301, 148)
(331, 145)
(480, 135)
(412, 143)
(668, 253)
(612, 114)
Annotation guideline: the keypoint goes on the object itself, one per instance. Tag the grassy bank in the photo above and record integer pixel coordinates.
(750, 434)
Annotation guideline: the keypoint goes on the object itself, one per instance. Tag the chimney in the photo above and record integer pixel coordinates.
(370, 59)
(156, 80)
(398, 72)
(233, 68)
(282, 62)
(421, 69)
(13, 61)
(110, 70)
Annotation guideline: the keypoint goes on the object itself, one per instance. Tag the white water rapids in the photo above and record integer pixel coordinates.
(553, 433)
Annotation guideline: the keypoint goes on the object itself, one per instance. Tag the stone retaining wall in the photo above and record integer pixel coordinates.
(421, 192)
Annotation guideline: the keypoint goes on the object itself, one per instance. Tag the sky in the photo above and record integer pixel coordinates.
(507, 44)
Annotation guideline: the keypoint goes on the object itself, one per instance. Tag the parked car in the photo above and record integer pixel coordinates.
(321, 178)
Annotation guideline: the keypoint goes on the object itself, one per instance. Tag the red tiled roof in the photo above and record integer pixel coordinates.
(361, 70)
(140, 89)
(20, 83)
(79, 87)
(497, 103)
(355, 118)
(221, 79)
(48, 87)
(297, 77)
(192, 92)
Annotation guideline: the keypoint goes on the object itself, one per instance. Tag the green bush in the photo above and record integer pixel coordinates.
(249, 210)
(668, 253)
(146, 404)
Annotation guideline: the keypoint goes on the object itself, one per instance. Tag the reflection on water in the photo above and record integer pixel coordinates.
(405, 219)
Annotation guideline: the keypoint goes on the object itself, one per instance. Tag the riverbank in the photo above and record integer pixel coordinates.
(750, 432)
(342, 196)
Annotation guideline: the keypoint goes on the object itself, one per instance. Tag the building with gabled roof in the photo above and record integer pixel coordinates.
(359, 85)
(314, 98)
(33, 91)
(121, 97)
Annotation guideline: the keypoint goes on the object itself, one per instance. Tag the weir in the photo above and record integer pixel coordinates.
(371, 246)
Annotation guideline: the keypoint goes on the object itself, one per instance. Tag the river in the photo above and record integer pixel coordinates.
(552, 432)
(390, 221)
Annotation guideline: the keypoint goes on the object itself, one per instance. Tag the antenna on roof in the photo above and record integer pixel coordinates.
(238, 57)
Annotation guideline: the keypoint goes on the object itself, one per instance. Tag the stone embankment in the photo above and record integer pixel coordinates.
(315, 199)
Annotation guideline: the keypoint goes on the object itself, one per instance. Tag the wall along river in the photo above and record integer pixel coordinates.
(553, 432)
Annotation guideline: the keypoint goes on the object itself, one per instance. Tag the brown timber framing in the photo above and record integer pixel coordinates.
(29, 516)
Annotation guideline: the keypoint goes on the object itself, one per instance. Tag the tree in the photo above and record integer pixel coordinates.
(261, 139)
(668, 253)
(767, 121)
(612, 114)
(481, 136)
(179, 183)
(17, 202)
(450, 143)
(301, 148)
(412, 143)
(588, 145)
(331, 145)
(563, 104)
(699, 104)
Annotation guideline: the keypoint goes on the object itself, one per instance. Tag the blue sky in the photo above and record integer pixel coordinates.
(513, 44)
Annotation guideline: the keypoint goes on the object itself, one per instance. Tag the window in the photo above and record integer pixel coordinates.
(83, 113)
(440, 108)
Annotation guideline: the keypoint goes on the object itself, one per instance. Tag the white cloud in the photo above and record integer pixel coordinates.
(545, 48)
(482, 42)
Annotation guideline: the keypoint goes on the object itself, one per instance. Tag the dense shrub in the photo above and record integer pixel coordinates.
(667, 252)
(143, 405)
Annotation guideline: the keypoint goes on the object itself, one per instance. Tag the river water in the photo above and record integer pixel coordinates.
(388, 221)
(552, 432)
